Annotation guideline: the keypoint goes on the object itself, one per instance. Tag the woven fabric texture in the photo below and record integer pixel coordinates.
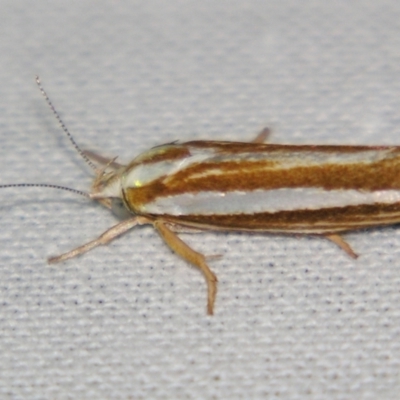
(295, 317)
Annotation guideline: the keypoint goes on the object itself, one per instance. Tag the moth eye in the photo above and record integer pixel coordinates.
(118, 208)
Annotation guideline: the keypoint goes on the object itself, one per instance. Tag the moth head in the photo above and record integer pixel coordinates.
(107, 186)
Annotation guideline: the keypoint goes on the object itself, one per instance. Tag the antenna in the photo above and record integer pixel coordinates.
(46, 185)
(78, 149)
(63, 126)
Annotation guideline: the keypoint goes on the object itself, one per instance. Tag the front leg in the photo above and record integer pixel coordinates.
(106, 237)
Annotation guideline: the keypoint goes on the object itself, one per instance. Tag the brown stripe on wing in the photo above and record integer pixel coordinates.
(242, 147)
(161, 153)
(335, 219)
(252, 175)
(174, 151)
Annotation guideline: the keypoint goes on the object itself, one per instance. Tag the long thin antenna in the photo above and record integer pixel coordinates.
(46, 185)
(64, 128)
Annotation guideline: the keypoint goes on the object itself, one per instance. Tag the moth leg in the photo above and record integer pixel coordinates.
(262, 136)
(338, 240)
(193, 257)
(105, 238)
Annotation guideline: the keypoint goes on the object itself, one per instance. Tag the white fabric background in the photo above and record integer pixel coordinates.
(295, 317)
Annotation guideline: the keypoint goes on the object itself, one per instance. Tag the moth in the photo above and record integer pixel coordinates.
(253, 187)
